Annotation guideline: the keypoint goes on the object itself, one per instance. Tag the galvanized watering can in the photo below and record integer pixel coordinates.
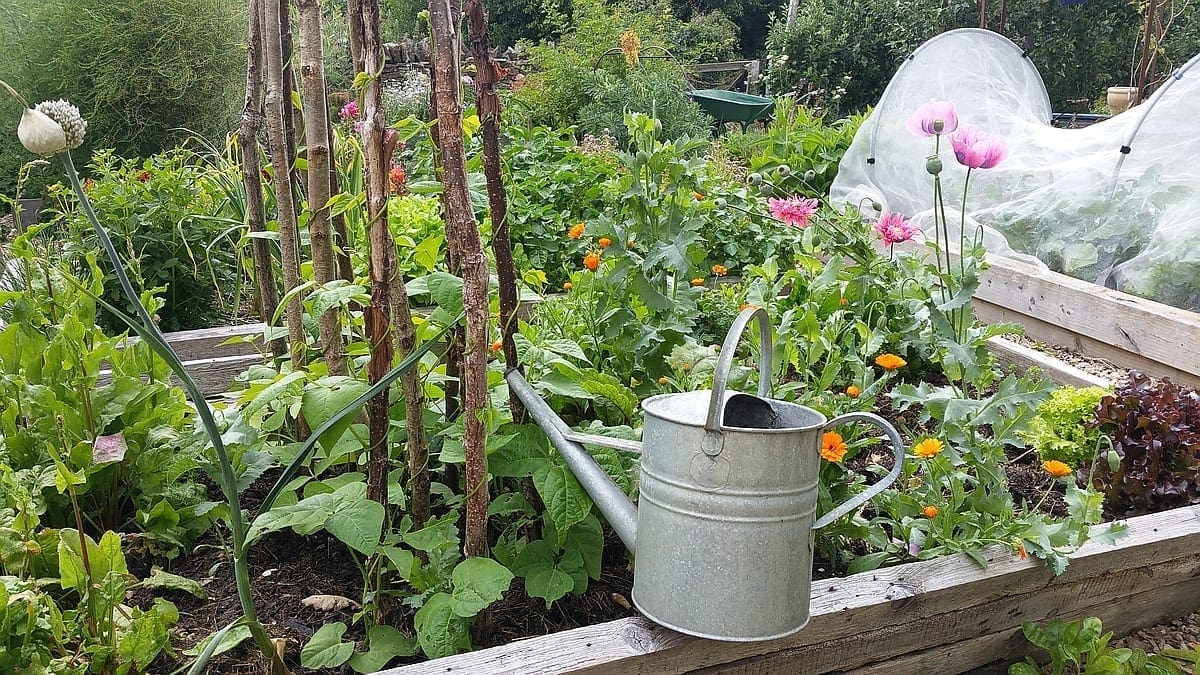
(724, 532)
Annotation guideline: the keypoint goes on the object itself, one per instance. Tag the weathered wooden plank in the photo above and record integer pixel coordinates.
(1123, 614)
(1084, 344)
(1022, 358)
(212, 376)
(1158, 332)
(932, 591)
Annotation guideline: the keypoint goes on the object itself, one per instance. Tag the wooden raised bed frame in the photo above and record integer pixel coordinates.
(945, 615)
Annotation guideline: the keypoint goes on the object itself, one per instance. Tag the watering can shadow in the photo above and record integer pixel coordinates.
(723, 535)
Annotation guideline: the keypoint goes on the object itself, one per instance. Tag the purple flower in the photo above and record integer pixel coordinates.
(924, 122)
(893, 228)
(795, 210)
(977, 149)
(349, 111)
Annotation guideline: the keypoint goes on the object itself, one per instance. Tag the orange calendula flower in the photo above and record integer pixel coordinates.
(605, 242)
(746, 307)
(697, 281)
(890, 362)
(1019, 549)
(833, 448)
(686, 366)
(576, 231)
(568, 285)
(497, 346)
(630, 243)
(927, 448)
(843, 302)
(662, 380)
(719, 270)
(697, 196)
(930, 511)
(853, 391)
(1057, 469)
(592, 261)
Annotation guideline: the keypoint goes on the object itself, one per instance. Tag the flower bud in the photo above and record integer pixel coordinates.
(40, 134)
(766, 190)
(785, 170)
(68, 117)
(877, 206)
(933, 165)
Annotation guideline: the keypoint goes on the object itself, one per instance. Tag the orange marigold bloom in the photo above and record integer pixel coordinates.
(497, 346)
(630, 243)
(662, 380)
(927, 448)
(843, 302)
(605, 242)
(568, 285)
(576, 231)
(853, 391)
(697, 196)
(697, 281)
(930, 511)
(686, 366)
(890, 362)
(719, 270)
(1057, 469)
(833, 448)
(592, 261)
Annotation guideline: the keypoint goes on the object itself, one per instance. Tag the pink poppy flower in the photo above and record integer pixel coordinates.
(977, 149)
(795, 210)
(349, 111)
(924, 121)
(893, 228)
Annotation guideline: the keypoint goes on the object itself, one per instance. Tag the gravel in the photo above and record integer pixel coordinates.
(1089, 364)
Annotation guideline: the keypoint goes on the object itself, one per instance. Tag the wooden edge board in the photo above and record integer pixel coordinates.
(839, 606)
(212, 376)
(1010, 353)
(1159, 332)
(1086, 345)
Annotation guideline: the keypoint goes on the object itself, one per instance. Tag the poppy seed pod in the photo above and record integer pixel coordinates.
(934, 165)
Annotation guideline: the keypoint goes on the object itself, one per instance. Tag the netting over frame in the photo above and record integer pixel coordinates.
(1071, 198)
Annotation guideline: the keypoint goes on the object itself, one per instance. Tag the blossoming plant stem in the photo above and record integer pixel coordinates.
(227, 479)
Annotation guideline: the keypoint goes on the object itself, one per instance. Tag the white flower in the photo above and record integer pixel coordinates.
(40, 134)
(68, 118)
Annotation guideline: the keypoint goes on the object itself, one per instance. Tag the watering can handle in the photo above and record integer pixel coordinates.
(716, 405)
(861, 498)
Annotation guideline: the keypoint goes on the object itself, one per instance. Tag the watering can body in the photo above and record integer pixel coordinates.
(723, 532)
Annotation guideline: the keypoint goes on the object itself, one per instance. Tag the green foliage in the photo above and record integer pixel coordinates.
(166, 215)
(1079, 647)
(110, 59)
(1155, 429)
(51, 356)
(654, 92)
(1063, 428)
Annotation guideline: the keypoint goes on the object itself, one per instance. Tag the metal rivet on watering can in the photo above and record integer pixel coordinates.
(728, 499)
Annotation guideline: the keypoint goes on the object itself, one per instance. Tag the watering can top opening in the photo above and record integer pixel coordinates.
(738, 412)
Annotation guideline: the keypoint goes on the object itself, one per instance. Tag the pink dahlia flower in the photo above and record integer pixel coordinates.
(349, 111)
(893, 228)
(795, 210)
(924, 122)
(977, 149)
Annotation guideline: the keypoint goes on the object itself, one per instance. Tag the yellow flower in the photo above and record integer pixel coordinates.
(853, 391)
(833, 448)
(927, 448)
(719, 270)
(1057, 469)
(630, 45)
(576, 231)
(890, 362)
(697, 281)
(930, 511)
(568, 285)
(662, 380)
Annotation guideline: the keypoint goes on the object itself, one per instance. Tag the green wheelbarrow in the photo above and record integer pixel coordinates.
(732, 106)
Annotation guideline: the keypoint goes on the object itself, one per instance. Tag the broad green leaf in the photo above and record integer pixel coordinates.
(478, 582)
(447, 291)
(357, 524)
(533, 555)
(868, 562)
(440, 631)
(385, 643)
(230, 639)
(160, 580)
(323, 399)
(326, 649)
(587, 537)
(548, 582)
(565, 500)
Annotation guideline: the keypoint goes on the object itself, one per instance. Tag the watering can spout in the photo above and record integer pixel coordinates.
(607, 495)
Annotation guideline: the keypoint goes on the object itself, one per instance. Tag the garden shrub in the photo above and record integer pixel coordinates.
(657, 93)
(138, 70)
(161, 212)
(1080, 49)
(1155, 427)
(1063, 428)
(562, 73)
